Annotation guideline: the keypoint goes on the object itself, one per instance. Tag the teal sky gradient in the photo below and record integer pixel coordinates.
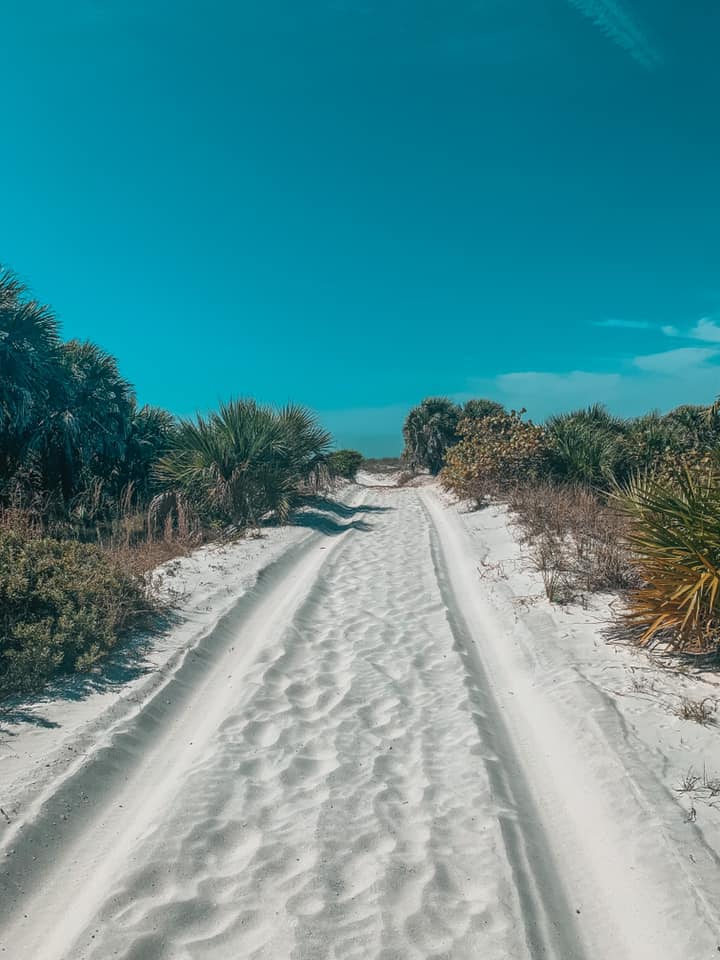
(354, 204)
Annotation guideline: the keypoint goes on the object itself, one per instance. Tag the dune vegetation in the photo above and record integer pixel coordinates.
(95, 489)
(605, 503)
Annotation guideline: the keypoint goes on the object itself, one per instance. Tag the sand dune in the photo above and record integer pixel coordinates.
(362, 758)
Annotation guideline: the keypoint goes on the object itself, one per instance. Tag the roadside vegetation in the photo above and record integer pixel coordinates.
(605, 503)
(96, 489)
(344, 464)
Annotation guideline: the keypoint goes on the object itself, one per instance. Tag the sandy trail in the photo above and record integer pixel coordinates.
(356, 762)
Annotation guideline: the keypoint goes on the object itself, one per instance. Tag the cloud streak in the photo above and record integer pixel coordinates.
(624, 324)
(678, 362)
(616, 21)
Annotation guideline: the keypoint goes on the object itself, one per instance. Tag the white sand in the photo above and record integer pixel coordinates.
(390, 747)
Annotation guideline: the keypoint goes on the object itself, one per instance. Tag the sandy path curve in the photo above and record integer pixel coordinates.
(331, 774)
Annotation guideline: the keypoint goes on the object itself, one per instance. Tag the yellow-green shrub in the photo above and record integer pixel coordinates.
(493, 454)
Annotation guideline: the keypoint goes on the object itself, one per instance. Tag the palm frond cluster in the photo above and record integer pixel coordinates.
(245, 461)
(674, 536)
(74, 443)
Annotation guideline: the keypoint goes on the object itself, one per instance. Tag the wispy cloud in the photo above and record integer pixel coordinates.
(706, 330)
(676, 362)
(624, 324)
(618, 24)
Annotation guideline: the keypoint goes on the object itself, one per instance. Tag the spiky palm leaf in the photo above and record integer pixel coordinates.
(82, 434)
(245, 460)
(585, 447)
(29, 341)
(675, 538)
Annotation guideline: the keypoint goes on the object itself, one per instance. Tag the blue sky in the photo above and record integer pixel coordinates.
(356, 203)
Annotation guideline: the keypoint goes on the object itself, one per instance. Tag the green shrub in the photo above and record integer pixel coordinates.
(344, 463)
(63, 606)
(494, 454)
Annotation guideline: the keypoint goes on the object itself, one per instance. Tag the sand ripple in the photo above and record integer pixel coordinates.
(343, 810)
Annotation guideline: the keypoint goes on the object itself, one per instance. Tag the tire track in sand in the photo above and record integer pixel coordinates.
(343, 803)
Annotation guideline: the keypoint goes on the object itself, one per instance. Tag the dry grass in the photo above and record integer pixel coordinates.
(142, 557)
(706, 786)
(133, 541)
(578, 541)
(700, 711)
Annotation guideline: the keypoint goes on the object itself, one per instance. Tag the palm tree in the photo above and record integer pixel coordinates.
(307, 444)
(85, 428)
(244, 461)
(149, 437)
(29, 344)
(429, 430)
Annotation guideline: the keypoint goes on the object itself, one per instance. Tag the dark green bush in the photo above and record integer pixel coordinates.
(344, 463)
(63, 606)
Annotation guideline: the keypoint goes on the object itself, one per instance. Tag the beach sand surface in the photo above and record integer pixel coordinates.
(368, 735)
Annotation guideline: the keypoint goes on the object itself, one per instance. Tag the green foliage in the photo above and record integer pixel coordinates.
(649, 439)
(83, 429)
(675, 541)
(495, 453)
(344, 463)
(245, 461)
(586, 447)
(63, 605)
(477, 409)
(594, 449)
(430, 429)
(71, 433)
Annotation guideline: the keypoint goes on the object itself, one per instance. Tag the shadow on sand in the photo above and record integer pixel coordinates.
(332, 517)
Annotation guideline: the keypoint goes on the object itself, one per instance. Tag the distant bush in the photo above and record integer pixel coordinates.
(63, 606)
(430, 429)
(344, 463)
(383, 464)
(495, 453)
